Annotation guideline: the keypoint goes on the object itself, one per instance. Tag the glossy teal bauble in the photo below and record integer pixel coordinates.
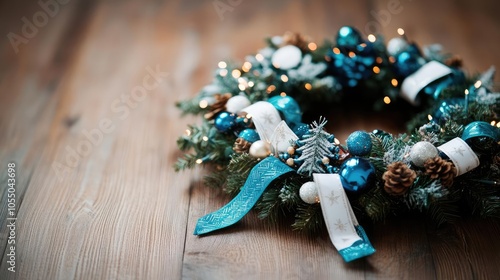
(359, 143)
(249, 135)
(348, 37)
(300, 129)
(288, 107)
(357, 175)
(225, 121)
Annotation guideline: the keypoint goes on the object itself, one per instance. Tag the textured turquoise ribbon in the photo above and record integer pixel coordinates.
(359, 249)
(481, 129)
(260, 177)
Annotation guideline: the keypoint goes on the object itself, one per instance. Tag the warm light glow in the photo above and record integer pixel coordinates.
(236, 73)
(259, 57)
(372, 38)
(498, 124)
(379, 60)
(478, 84)
(392, 59)
(337, 142)
(387, 100)
(429, 117)
(401, 31)
(352, 54)
(205, 138)
(394, 82)
(223, 72)
(283, 94)
(199, 161)
(493, 123)
(336, 50)
(284, 78)
(466, 92)
(363, 45)
(222, 64)
(312, 46)
(376, 70)
(308, 86)
(187, 132)
(242, 87)
(271, 88)
(250, 84)
(246, 66)
(203, 104)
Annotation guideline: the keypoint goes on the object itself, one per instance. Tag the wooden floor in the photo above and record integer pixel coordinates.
(116, 209)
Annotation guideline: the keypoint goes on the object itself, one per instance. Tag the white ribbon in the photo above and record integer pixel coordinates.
(337, 211)
(417, 81)
(265, 118)
(462, 156)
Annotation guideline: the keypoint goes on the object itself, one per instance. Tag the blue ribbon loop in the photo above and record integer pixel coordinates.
(258, 180)
(481, 129)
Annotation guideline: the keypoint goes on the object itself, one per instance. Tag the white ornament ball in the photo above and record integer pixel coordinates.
(309, 193)
(236, 103)
(421, 152)
(260, 149)
(396, 45)
(287, 57)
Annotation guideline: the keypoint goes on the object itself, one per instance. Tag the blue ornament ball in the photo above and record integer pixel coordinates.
(300, 129)
(445, 109)
(357, 174)
(408, 61)
(249, 135)
(225, 121)
(288, 107)
(359, 143)
(348, 37)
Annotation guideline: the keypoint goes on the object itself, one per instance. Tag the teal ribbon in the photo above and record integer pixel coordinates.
(259, 178)
(359, 249)
(481, 129)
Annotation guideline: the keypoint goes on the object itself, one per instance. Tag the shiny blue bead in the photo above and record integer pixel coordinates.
(249, 135)
(348, 37)
(225, 121)
(288, 107)
(359, 143)
(357, 174)
(445, 108)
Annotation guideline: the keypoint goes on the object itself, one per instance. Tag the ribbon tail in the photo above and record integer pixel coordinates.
(258, 180)
(345, 233)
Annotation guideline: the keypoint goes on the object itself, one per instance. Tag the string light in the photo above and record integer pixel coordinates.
(493, 123)
(394, 82)
(223, 72)
(246, 66)
(387, 100)
(429, 117)
(401, 31)
(372, 38)
(392, 59)
(187, 132)
(352, 54)
(242, 87)
(199, 161)
(376, 70)
(236, 73)
(477, 84)
(205, 138)
(259, 57)
(271, 88)
(379, 60)
(222, 64)
(250, 84)
(203, 104)
(337, 142)
(308, 86)
(284, 78)
(336, 50)
(283, 94)
(312, 46)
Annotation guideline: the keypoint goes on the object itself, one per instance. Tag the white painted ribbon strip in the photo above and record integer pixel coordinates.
(265, 118)
(281, 138)
(428, 73)
(462, 156)
(337, 211)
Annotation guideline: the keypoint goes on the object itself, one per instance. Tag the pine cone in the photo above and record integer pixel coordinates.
(296, 39)
(218, 106)
(241, 146)
(442, 169)
(454, 61)
(398, 178)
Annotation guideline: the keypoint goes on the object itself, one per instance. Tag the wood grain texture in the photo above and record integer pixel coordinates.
(119, 211)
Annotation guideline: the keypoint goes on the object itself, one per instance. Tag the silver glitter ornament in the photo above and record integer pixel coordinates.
(309, 193)
(421, 152)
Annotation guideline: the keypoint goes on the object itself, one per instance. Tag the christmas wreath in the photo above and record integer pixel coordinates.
(252, 133)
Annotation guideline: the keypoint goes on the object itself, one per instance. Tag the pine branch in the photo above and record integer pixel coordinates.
(308, 218)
